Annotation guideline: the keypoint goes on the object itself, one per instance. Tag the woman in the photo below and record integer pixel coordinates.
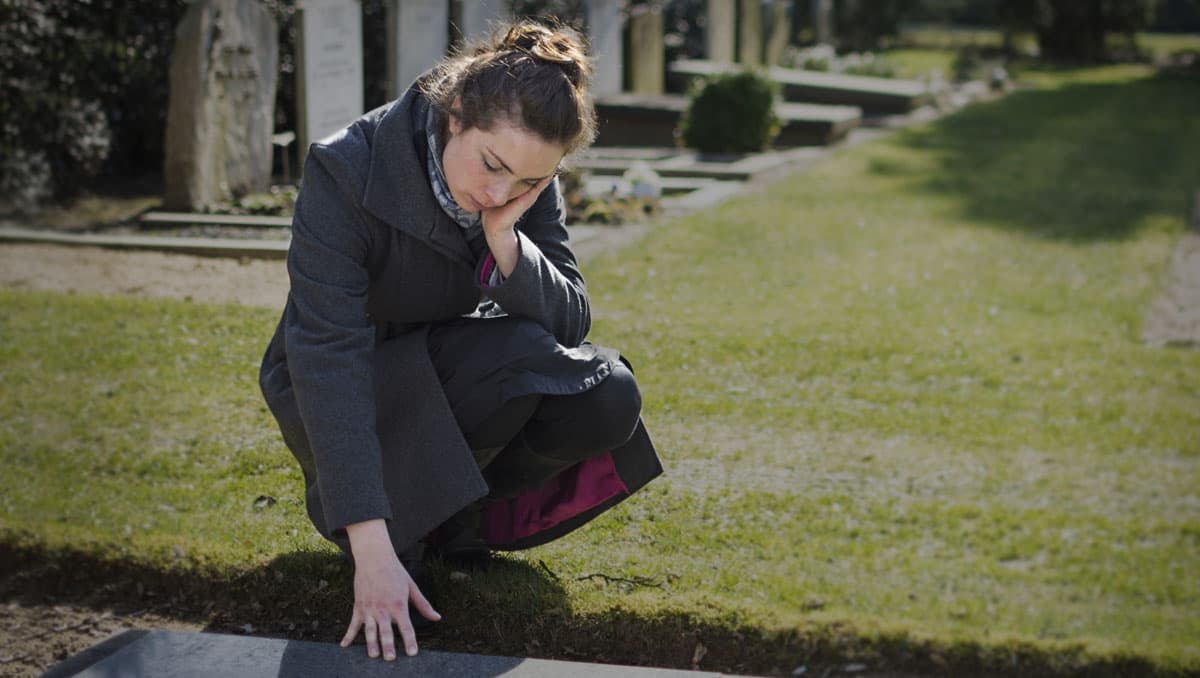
(430, 372)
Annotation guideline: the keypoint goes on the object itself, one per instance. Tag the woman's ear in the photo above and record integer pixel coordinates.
(454, 117)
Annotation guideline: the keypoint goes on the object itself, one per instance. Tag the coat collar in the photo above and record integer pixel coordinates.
(398, 190)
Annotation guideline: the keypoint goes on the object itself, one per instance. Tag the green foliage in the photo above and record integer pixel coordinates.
(82, 87)
(731, 113)
(1075, 30)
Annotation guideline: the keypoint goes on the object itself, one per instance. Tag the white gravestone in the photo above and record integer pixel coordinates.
(220, 113)
(480, 17)
(721, 30)
(329, 68)
(604, 34)
(417, 34)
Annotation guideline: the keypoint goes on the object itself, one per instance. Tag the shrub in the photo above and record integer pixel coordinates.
(82, 88)
(731, 113)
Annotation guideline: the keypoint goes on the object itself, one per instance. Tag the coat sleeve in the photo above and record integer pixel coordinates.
(546, 284)
(330, 341)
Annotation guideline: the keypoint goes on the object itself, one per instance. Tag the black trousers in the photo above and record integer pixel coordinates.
(523, 440)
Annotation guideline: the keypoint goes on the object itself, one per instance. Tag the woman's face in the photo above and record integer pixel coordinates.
(488, 168)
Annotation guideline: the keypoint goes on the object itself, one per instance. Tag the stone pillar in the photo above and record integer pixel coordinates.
(329, 69)
(822, 11)
(720, 27)
(417, 36)
(646, 50)
(780, 34)
(750, 42)
(479, 17)
(221, 109)
(604, 34)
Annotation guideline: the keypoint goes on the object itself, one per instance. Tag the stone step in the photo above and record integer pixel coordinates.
(202, 655)
(191, 218)
(211, 247)
(875, 96)
(650, 120)
(679, 164)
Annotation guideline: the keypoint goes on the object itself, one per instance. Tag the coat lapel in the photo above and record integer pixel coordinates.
(398, 190)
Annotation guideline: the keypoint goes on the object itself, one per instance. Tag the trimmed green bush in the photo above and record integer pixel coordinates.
(731, 113)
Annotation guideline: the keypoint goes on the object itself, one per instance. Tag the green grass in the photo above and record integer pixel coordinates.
(901, 398)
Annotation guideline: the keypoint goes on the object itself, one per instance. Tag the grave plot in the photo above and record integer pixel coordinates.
(651, 120)
(875, 96)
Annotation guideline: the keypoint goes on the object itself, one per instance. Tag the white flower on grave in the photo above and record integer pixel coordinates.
(644, 182)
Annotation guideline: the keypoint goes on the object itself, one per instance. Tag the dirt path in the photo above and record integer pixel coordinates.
(93, 270)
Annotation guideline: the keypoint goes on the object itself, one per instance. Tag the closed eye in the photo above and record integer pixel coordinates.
(490, 167)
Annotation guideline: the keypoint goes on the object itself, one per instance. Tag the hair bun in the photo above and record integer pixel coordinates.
(556, 45)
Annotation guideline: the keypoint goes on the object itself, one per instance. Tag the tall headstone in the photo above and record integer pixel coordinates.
(479, 17)
(604, 34)
(780, 32)
(646, 50)
(220, 114)
(329, 68)
(750, 42)
(822, 11)
(720, 27)
(417, 36)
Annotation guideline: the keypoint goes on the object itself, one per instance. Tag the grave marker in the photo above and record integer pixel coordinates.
(780, 33)
(329, 69)
(417, 37)
(822, 11)
(604, 34)
(720, 27)
(750, 44)
(480, 16)
(646, 50)
(220, 114)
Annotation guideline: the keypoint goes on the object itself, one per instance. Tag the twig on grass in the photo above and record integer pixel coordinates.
(635, 581)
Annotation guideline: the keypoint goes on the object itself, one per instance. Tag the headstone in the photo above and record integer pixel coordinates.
(480, 17)
(822, 11)
(329, 68)
(750, 42)
(780, 33)
(417, 37)
(604, 34)
(221, 110)
(646, 50)
(720, 27)
(201, 655)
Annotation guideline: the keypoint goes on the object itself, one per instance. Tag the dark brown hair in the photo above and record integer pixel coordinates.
(530, 75)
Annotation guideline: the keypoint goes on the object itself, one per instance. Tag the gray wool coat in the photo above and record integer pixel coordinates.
(373, 261)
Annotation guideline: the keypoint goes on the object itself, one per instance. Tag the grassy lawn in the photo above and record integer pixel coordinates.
(902, 400)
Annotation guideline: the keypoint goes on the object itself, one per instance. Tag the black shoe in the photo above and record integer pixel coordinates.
(459, 541)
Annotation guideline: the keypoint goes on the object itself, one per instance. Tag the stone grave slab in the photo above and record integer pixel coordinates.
(650, 120)
(138, 654)
(872, 95)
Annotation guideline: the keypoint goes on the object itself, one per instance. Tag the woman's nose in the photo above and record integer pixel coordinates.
(497, 193)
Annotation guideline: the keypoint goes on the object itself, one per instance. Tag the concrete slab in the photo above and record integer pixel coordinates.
(211, 247)
(872, 95)
(650, 120)
(146, 654)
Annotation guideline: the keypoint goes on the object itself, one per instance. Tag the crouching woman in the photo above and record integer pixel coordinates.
(430, 372)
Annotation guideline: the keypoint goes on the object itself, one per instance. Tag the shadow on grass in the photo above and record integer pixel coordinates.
(1088, 161)
(514, 609)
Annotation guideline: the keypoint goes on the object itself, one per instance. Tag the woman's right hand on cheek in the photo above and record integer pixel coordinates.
(383, 591)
